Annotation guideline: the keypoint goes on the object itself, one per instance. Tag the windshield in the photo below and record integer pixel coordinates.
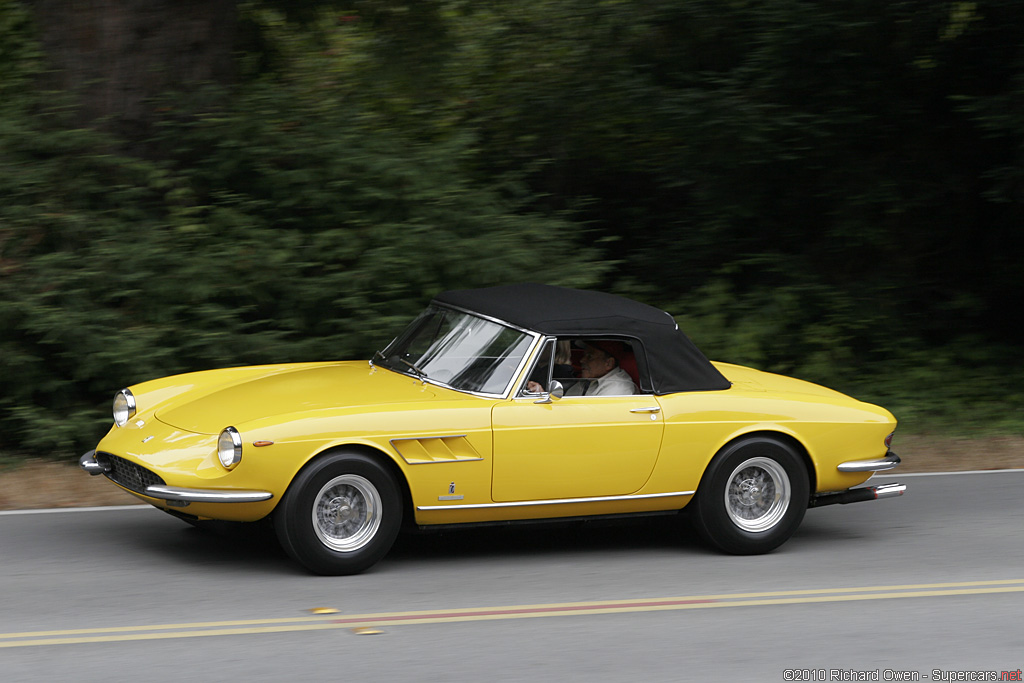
(459, 350)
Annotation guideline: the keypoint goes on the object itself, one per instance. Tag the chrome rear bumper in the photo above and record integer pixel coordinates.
(880, 465)
(857, 495)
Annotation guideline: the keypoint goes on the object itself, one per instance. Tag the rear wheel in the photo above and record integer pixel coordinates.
(752, 497)
(340, 515)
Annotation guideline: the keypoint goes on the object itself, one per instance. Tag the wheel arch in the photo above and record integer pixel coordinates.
(789, 439)
(377, 455)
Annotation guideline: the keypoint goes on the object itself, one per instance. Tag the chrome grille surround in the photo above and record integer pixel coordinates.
(127, 474)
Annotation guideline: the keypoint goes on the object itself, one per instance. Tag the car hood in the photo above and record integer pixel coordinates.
(218, 398)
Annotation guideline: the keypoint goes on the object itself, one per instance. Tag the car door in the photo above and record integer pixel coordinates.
(574, 447)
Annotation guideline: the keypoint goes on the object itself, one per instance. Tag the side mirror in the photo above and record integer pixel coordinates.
(557, 391)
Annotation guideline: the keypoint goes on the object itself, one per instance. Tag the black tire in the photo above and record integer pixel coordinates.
(340, 515)
(752, 497)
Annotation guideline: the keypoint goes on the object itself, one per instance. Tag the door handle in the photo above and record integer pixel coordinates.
(651, 409)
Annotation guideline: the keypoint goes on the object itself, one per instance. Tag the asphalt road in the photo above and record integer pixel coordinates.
(929, 583)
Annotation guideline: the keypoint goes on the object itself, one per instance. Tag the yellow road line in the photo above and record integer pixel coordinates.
(339, 621)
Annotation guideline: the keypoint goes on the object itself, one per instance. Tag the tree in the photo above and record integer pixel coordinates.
(116, 56)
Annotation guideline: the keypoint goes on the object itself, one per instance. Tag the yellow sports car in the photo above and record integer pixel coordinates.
(509, 403)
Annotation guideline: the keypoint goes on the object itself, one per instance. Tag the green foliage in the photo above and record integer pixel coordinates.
(272, 231)
(827, 138)
(830, 190)
(967, 387)
(19, 53)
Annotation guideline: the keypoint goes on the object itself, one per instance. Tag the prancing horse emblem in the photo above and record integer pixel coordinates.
(451, 493)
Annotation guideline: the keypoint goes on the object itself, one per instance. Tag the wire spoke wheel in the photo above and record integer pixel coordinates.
(346, 513)
(757, 495)
(752, 496)
(340, 514)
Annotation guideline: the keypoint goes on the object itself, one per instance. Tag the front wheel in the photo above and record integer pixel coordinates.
(340, 515)
(752, 497)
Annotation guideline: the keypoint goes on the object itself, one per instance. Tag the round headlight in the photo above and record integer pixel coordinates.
(124, 407)
(229, 447)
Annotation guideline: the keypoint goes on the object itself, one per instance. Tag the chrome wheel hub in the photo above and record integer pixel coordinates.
(346, 513)
(757, 494)
(339, 511)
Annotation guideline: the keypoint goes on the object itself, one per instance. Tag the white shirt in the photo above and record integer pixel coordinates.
(616, 382)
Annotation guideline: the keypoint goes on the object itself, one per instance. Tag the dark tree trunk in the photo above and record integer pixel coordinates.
(116, 55)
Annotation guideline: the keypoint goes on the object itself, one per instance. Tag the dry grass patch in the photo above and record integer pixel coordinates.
(958, 454)
(43, 484)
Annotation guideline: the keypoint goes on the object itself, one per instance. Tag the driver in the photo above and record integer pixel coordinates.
(600, 366)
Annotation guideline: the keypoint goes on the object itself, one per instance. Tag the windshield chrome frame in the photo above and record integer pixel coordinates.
(515, 376)
(535, 357)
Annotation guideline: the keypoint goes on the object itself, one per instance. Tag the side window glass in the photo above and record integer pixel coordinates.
(602, 367)
(566, 365)
(540, 376)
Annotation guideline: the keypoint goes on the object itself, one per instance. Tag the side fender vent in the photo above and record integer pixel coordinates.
(433, 449)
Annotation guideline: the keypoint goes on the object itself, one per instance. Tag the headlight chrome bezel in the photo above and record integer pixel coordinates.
(124, 407)
(229, 448)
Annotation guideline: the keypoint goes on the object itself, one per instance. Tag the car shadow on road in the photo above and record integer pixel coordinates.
(254, 547)
(234, 546)
(581, 537)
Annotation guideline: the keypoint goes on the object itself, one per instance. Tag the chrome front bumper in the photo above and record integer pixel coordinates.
(880, 465)
(176, 495)
(88, 463)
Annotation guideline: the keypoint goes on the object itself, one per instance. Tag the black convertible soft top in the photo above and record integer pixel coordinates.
(673, 361)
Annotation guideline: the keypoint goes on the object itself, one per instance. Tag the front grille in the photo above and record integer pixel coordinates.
(126, 473)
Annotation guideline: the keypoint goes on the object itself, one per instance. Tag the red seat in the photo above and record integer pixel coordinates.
(628, 363)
